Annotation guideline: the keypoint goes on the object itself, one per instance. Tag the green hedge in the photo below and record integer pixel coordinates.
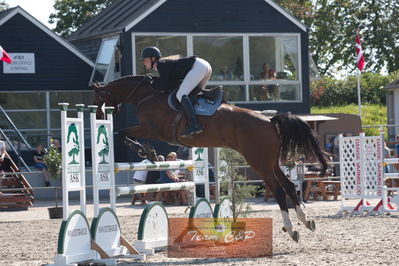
(333, 92)
(372, 114)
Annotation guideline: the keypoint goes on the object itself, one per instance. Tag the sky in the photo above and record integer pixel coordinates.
(40, 9)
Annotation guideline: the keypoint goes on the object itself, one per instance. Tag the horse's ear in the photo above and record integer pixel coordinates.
(94, 85)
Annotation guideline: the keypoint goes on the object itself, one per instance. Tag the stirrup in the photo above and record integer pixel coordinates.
(192, 131)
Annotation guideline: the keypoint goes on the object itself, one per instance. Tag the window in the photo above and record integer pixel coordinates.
(169, 45)
(23, 100)
(73, 98)
(37, 115)
(250, 67)
(104, 69)
(224, 53)
(274, 92)
(234, 93)
(274, 65)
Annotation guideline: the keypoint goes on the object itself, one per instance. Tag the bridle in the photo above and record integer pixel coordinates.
(103, 93)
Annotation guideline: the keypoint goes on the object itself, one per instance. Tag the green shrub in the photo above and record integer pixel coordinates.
(372, 114)
(332, 92)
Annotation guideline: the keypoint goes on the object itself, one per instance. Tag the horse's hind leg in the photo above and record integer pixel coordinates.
(289, 188)
(279, 195)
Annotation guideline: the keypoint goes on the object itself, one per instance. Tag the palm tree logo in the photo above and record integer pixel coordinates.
(105, 148)
(72, 131)
(198, 152)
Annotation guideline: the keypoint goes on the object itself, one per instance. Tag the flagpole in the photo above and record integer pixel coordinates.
(359, 64)
(359, 99)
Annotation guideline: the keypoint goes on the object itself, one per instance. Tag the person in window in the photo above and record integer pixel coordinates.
(271, 91)
(40, 151)
(225, 73)
(268, 72)
(194, 71)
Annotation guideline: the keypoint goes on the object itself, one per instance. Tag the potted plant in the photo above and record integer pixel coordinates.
(238, 193)
(53, 160)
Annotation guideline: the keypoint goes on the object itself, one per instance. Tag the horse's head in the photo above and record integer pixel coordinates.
(104, 95)
(130, 89)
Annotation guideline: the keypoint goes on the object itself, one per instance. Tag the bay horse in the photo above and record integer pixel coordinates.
(263, 142)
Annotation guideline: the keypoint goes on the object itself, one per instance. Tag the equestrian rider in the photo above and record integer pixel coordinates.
(194, 71)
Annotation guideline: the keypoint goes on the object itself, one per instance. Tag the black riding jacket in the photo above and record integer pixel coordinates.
(173, 70)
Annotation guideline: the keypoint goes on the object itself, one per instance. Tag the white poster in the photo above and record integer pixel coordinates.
(21, 63)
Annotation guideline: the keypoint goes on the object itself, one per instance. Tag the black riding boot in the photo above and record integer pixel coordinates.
(194, 126)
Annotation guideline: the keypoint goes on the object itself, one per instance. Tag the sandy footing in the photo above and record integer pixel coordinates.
(30, 238)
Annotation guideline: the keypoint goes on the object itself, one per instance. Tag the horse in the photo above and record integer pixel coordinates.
(263, 142)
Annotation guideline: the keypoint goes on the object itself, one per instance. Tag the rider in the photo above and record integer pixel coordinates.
(194, 71)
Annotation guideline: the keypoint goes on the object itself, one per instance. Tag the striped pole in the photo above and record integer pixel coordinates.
(154, 188)
(170, 165)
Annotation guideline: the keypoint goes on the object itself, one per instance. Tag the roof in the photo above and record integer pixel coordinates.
(122, 15)
(5, 12)
(11, 12)
(392, 86)
(115, 18)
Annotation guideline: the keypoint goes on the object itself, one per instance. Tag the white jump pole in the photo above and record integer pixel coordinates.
(155, 166)
(154, 188)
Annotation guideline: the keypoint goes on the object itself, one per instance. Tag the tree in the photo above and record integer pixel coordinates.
(71, 14)
(332, 25)
(74, 137)
(105, 145)
(230, 160)
(3, 5)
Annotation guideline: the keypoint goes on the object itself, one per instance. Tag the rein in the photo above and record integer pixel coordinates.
(134, 89)
(144, 100)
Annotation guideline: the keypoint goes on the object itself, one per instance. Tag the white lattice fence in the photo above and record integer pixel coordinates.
(361, 168)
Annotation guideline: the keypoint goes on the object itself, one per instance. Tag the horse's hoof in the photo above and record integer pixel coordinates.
(295, 236)
(284, 229)
(311, 225)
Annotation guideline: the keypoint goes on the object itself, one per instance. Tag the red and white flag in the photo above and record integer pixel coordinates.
(359, 52)
(4, 56)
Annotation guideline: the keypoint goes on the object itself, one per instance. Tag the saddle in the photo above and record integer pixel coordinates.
(205, 101)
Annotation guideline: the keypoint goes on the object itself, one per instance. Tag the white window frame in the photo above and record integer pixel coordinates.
(247, 81)
(47, 110)
(111, 63)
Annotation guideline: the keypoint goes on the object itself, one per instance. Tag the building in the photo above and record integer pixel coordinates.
(392, 90)
(46, 69)
(258, 51)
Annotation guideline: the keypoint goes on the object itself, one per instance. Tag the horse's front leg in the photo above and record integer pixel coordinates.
(128, 137)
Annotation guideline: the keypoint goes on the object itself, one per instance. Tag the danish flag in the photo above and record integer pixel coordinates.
(359, 52)
(4, 56)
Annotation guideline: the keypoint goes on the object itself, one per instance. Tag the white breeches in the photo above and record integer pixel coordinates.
(199, 75)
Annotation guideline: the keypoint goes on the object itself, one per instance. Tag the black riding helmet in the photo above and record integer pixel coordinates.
(150, 51)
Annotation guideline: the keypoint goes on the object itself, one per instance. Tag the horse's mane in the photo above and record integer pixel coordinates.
(125, 78)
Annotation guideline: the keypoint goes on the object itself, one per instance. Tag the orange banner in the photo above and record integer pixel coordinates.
(220, 238)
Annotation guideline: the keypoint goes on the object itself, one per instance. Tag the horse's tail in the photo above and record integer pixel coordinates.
(297, 138)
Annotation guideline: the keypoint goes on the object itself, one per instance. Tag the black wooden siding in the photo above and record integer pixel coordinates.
(56, 67)
(229, 16)
(216, 16)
